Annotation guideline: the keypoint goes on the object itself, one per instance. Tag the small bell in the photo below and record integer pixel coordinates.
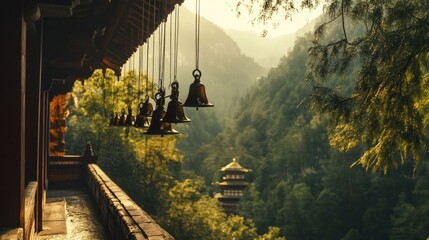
(175, 113)
(115, 120)
(129, 121)
(141, 122)
(197, 93)
(142, 119)
(112, 120)
(157, 126)
(146, 109)
(121, 121)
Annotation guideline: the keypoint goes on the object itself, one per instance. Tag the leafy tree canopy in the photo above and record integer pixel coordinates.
(148, 168)
(386, 111)
(192, 215)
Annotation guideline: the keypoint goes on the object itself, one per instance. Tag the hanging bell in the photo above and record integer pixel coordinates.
(115, 120)
(121, 121)
(146, 109)
(197, 93)
(157, 126)
(141, 122)
(175, 113)
(112, 120)
(129, 121)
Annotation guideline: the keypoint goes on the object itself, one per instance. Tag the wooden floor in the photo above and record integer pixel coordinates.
(70, 214)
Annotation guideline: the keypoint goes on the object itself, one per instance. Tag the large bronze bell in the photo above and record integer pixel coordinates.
(197, 93)
(146, 109)
(157, 126)
(129, 120)
(121, 121)
(175, 113)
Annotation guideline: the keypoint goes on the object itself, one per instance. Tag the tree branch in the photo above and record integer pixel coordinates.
(343, 22)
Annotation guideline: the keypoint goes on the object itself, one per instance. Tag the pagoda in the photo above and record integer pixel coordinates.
(232, 186)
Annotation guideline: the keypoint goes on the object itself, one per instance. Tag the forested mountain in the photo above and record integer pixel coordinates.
(226, 73)
(300, 183)
(149, 169)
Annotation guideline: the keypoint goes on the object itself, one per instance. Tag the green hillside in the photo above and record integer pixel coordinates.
(300, 183)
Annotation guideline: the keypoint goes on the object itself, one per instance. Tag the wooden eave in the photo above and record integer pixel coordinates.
(81, 36)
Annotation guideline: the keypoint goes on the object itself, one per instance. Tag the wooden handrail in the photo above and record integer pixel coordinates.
(30, 209)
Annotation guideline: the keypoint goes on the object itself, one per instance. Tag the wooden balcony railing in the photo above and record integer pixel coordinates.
(29, 227)
(65, 171)
(30, 210)
(121, 216)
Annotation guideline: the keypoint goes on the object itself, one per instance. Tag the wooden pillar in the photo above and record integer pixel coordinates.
(43, 154)
(32, 112)
(12, 105)
(32, 103)
(43, 133)
(33, 127)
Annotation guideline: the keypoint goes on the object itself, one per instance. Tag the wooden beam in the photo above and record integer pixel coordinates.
(121, 8)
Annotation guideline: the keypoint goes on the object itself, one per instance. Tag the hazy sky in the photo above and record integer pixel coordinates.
(222, 13)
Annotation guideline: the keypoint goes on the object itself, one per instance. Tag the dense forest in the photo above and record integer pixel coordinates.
(302, 188)
(300, 183)
(148, 168)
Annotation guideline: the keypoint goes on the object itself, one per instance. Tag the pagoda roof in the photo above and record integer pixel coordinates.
(233, 183)
(220, 196)
(234, 167)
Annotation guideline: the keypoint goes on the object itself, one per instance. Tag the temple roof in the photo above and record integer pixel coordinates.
(220, 196)
(234, 167)
(233, 183)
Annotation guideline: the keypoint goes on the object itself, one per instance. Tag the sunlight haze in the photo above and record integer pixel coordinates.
(222, 13)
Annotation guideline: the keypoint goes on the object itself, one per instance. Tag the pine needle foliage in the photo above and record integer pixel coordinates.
(387, 109)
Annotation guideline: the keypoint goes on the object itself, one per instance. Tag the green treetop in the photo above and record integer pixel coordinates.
(386, 109)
